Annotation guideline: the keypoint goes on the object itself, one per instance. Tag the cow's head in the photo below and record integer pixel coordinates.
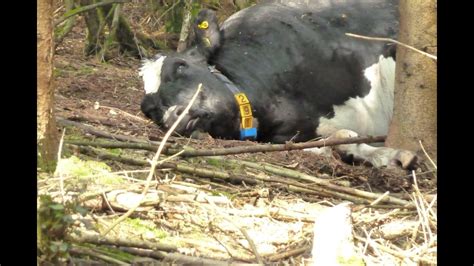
(170, 81)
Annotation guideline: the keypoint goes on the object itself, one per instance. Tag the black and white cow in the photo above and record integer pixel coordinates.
(283, 70)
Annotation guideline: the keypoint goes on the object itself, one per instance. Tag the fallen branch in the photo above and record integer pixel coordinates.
(392, 41)
(176, 258)
(114, 145)
(280, 147)
(289, 253)
(90, 252)
(318, 181)
(99, 240)
(101, 133)
(221, 151)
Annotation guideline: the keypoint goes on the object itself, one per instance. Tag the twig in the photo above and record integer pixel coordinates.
(87, 8)
(392, 41)
(176, 258)
(126, 114)
(61, 178)
(154, 162)
(422, 212)
(114, 145)
(289, 253)
(429, 158)
(168, 10)
(375, 202)
(107, 202)
(90, 252)
(249, 240)
(101, 133)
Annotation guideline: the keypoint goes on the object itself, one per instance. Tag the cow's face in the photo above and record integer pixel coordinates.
(171, 81)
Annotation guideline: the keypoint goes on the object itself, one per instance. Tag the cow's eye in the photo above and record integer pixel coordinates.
(180, 69)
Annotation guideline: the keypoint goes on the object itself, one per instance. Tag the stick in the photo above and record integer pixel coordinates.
(426, 154)
(392, 41)
(126, 114)
(222, 151)
(176, 258)
(249, 240)
(98, 240)
(113, 145)
(61, 178)
(100, 133)
(289, 253)
(154, 162)
(89, 252)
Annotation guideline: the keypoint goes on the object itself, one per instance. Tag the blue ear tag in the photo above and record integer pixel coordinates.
(248, 133)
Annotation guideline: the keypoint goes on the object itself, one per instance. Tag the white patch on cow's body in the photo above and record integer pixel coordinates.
(151, 73)
(371, 114)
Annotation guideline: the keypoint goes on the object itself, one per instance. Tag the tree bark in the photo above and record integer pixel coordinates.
(62, 31)
(47, 136)
(415, 110)
(93, 29)
(186, 27)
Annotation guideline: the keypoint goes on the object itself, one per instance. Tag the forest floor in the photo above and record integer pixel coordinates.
(242, 208)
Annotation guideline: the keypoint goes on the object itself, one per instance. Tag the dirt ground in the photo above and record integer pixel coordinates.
(107, 97)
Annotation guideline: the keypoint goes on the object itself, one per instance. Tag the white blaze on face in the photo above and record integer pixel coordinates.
(151, 74)
(371, 114)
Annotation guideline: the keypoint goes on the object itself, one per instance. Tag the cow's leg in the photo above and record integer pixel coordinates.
(377, 156)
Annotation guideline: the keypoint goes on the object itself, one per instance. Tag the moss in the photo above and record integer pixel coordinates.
(111, 252)
(86, 70)
(353, 260)
(146, 228)
(58, 72)
(116, 151)
(85, 169)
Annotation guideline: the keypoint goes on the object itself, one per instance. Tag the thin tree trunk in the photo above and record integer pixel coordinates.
(415, 109)
(47, 136)
(186, 27)
(93, 29)
(62, 31)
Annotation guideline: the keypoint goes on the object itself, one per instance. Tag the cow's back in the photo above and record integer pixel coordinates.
(296, 57)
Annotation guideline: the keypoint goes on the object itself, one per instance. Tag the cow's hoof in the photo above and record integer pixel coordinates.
(404, 158)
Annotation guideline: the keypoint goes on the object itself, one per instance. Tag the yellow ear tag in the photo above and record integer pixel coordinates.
(203, 25)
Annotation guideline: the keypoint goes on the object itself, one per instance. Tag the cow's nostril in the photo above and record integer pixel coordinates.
(179, 110)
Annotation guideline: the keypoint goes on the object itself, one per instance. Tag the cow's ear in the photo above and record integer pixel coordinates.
(206, 32)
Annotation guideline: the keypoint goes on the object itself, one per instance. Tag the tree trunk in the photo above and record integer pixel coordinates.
(415, 111)
(93, 29)
(186, 27)
(120, 38)
(47, 136)
(62, 31)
